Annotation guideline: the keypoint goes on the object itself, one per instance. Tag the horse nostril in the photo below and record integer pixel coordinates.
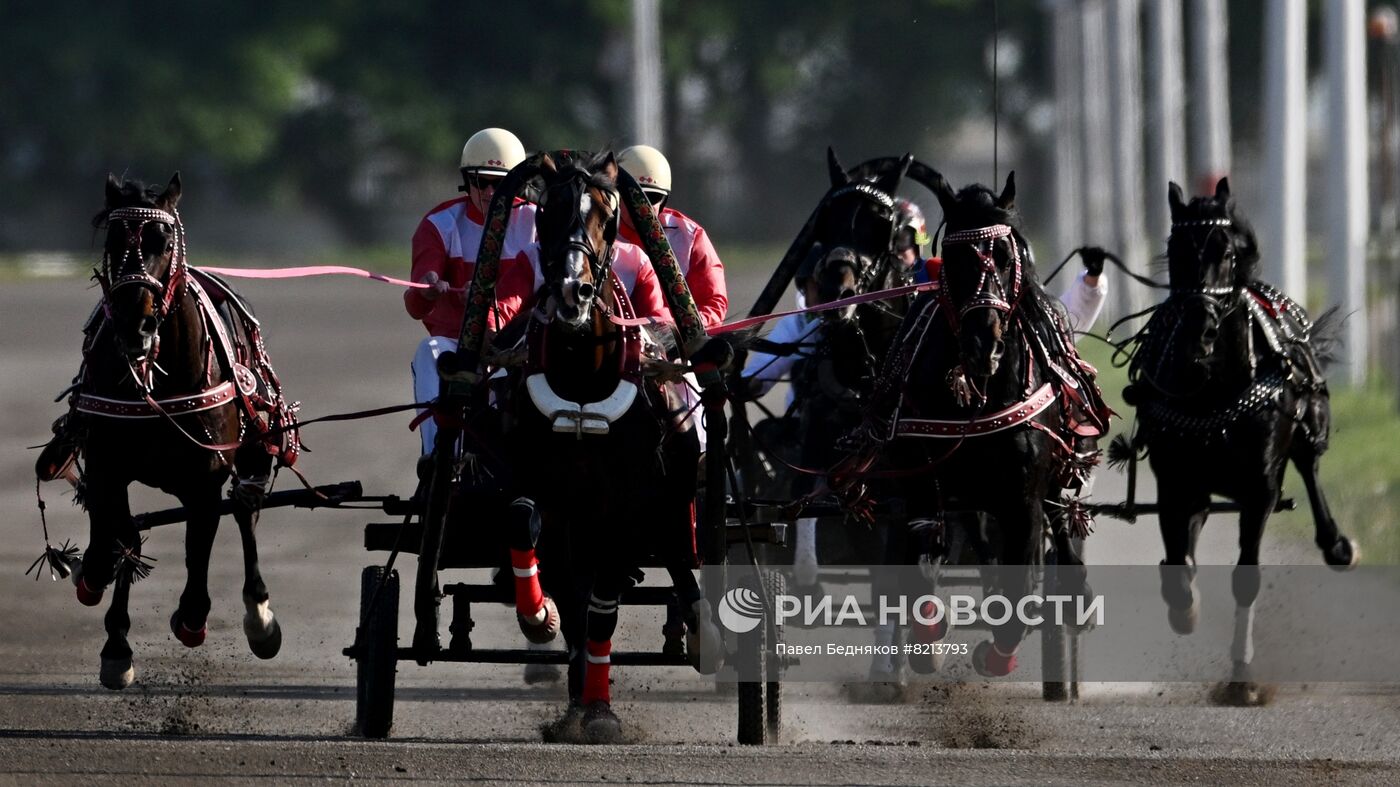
(583, 291)
(847, 293)
(148, 325)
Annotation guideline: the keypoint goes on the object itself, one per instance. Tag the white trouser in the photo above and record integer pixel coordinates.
(690, 400)
(426, 381)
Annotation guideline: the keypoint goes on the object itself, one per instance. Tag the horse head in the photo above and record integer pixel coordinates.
(1212, 253)
(983, 272)
(577, 224)
(143, 261)
(856, 230)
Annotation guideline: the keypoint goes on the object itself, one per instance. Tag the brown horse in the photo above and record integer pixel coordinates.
(173, 382)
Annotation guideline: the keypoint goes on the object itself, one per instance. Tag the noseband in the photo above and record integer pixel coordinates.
(576, 239)
(112, 276)
(990, 293)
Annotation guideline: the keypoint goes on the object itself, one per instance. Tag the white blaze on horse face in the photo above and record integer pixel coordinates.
(575, 262)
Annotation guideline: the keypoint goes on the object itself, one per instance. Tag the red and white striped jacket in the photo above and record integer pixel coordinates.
(700, 264)
(446, 243)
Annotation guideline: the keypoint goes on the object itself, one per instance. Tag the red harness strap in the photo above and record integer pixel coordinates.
(1009, 418)
(220, 394)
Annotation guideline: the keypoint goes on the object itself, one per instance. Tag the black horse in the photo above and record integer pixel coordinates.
(984, 406)
(174, 391)
(603, 478)
(1227, 379)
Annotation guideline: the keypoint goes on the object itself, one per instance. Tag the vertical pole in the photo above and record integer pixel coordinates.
(1166, 114)
(1210, 95)
(1284, 241)
(1096, 153)
(1126, 127)
(1068, 77)
(1348, 210)
(647, 116)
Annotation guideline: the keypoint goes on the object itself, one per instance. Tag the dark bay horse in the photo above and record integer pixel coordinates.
(603, 480)
(1227, 379)
(984, 406)
(159, 403)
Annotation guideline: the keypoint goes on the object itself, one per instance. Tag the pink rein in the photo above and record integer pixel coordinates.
(737, 325)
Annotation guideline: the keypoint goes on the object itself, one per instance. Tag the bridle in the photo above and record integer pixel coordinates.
(576, 238)
(991, 292)
(130, 269)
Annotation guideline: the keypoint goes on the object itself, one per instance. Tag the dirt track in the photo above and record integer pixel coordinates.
(217, 711)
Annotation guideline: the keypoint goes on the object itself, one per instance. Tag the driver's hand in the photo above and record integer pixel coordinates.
(1094, 258)
(437, 286)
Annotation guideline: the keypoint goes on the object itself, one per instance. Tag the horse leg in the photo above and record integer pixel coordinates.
(537, 613)
(1337, 550)
(1020, 530)
(260, 626)
(112, 531)
(1245, 583)
(1183, 514)
(189, 621)
(600, 724)
(804, 563)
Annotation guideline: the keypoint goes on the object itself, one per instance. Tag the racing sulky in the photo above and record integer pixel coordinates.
(602, 464)
(983, 405)
(1227, 379)
(175, 392)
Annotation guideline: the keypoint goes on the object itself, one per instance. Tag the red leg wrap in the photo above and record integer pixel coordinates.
(528, 596)
(595, 675)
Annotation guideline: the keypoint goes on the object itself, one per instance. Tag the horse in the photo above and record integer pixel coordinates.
(175, 392)
(840, 353)
(602, 477)
(983, 405)
(1227, 379)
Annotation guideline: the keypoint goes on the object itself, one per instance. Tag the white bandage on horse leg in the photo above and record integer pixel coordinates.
(804, 563)
(884, 642)
(1242, 649)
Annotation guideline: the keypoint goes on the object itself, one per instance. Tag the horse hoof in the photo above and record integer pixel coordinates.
(992, 663)
(568, 728)
(1344, 555)
(1183, 621)
(546, 629)
(536, 674)
(703, 642)
(600, 724)
(190, 638)
(265, 643)
(1242, 694)
(86, 595)
(117, 674)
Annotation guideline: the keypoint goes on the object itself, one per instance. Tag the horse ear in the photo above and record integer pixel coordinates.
(114, 190)
(889, 182)
(547, 164)
(1175, 199)
(1222, 190)
(609, 166)
(1008, 192)
(169, 198)
(837, 172)
(940, 188)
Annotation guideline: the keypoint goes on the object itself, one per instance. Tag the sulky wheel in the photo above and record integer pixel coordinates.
(749, 670)
(377, 662)
(777, 586)
(1054, 644)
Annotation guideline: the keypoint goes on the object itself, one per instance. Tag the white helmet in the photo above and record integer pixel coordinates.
(491, 151)
(648, 166)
